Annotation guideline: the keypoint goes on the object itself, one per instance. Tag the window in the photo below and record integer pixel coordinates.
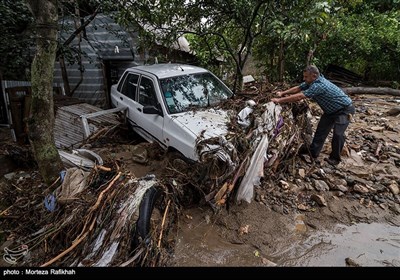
(147, 94)
(130, 85)
(194, 91)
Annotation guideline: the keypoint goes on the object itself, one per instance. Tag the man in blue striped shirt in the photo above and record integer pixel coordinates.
(337, 107)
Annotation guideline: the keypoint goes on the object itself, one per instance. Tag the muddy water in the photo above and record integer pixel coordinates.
(199, 244)
(366, 244)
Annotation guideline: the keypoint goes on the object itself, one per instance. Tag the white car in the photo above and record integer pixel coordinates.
(175, 105)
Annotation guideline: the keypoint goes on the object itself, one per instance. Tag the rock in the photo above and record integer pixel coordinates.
(395, 208)
(362, 181)
(268, 263)
(277, 208)
(320, 185)
(393, 112)
(378, 187)
(244, 229)
(338, 181)
(285, 210)
(370, 189)
(339, 188)
(394, 188)
(350, 181)
(351, 262)
(360, 189)
(309, 187)
(284, 184)
(338, 193)
(302, 207)
(319, 199)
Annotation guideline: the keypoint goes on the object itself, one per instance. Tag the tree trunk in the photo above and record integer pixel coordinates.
(371, 90)
(239, 81)
(281, 61)
(41, 120)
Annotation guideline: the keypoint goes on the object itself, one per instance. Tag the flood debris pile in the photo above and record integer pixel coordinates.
(94, 218)
(368, 174)
(270, 169)
(263, 141)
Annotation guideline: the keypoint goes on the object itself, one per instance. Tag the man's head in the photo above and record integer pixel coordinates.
(310, 74)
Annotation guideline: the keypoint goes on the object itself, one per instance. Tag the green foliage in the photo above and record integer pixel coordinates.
(369, 41)
(16, 39)
(360, 35)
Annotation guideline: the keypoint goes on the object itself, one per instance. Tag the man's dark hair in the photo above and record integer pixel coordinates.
(312, 69)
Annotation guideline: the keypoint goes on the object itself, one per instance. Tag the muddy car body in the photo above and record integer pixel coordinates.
(176, 105)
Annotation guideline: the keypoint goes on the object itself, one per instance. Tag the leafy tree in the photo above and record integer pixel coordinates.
(220, 28)
(369, 40)
(358, 34)
(292, 38)
(16, 39)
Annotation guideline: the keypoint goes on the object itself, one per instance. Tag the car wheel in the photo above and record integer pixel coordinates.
(143, 223)
(178, 160)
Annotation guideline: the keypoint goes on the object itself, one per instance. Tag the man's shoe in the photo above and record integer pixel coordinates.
(332, 161)
(304, 150)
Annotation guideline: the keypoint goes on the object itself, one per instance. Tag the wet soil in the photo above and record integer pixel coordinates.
(256, 236)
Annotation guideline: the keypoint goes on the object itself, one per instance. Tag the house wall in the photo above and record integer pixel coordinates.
(107, 51)
(103, 40)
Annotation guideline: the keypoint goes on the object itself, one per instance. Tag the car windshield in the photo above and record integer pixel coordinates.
(187, 92)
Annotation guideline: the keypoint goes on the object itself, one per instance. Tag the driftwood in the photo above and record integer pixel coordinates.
(372, 90)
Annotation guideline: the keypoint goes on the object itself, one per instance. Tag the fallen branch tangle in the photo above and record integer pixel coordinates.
(90, 219)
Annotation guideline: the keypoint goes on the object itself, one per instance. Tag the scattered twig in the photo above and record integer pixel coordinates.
(94, 207)
(162, 224)
(74, 244)
(128, 262)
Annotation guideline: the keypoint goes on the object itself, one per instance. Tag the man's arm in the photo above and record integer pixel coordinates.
(292, 90)
(291, 98)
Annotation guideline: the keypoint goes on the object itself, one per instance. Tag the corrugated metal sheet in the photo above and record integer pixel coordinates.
(104, 40)
(68, 129)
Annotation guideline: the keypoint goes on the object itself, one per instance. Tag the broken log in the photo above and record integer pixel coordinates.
(371, 90)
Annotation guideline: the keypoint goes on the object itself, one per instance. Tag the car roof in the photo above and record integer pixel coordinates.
(166, 70)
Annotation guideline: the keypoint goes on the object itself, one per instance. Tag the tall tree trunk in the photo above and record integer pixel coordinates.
(239, 80)
(41, 121)
(281, 60)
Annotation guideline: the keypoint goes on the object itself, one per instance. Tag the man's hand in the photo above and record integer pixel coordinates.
(275, 100)
(279, 93)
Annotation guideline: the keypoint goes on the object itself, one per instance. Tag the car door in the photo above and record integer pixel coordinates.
(150, 124)
(125, 94)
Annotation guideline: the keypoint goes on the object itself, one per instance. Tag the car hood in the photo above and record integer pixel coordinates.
(207, 123)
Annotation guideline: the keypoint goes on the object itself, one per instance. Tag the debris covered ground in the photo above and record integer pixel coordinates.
(95, 227)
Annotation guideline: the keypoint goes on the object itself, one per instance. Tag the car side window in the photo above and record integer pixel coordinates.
(122, 81)
(130, 86)
(147, 94)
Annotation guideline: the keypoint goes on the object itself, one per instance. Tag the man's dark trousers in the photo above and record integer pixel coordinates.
(339, 121)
